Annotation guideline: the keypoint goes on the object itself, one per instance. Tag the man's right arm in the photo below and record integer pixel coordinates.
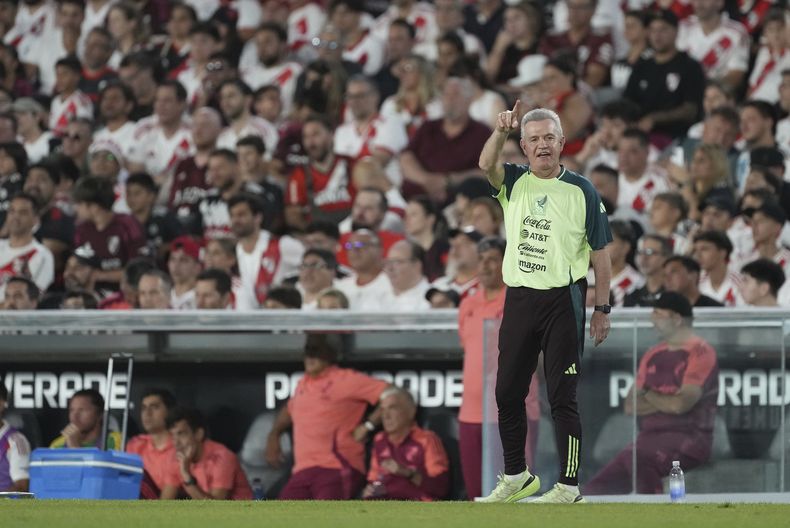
(506, 123)
(283, 422)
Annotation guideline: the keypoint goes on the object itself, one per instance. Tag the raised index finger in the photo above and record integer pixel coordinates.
(515, 107)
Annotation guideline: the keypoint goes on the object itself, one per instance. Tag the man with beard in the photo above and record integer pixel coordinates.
(263, 259)
(235, 100)
(116, 103)
(86, 411)
(271, 67)
(318, 189)
(222, 173)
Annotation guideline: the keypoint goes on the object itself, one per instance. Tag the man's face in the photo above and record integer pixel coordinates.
(463, 251)
(206, 128)
(784, 92)
(243, 222)
(76, 274)
(233, 102)
(216, 257)
(631, 156)
(764, 228)
(542, 144)
(677, 278)
(139, 198)
(449, 16)
(314, 274)
(753, 290)
(180, 23)
(21, 218)
(83, 414)
(490, 271)
(344, 19)
(364, 252)
(713, 99)
(16, 297)
(456, 98)
(753, 124)
(7, 131)
(70, 16)
(182, 267)
(580, 13)
(98, 50)
(167, 107)
(666, 322)
(141, 81)
(649, 258)
(39, 185)
(399, 42)
(361, 100)
(152, 294)
(367, 211)
(313, 366)
(662, 36)
(269, 48)
(269, 105)
(611, 130)
(715, 219)
(402, 270)
(207, 297)
(185, 439)
(76, 140)
(66, 79)
(317, 141)
(114, 104)
(663, 215)
(201, 46)
(153, 414)
(221, 172)
(719, 131)
(396, 414)
(249, 159)
(104, 164)
(708, 255)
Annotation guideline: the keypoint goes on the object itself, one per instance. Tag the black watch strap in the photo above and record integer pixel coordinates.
(605, 308)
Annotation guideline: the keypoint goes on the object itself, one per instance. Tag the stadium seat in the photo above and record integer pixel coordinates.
(27, 423)
(252, 458)
(444, 423)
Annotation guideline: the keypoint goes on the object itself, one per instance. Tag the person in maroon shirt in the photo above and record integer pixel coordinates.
(443, 152)
(676, 388)
(407, 462)
(95, 71)
(112, 238)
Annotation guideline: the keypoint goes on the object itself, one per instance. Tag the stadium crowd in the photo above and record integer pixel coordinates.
(301, 155)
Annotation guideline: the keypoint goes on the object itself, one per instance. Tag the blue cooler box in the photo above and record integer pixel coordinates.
(85, 474)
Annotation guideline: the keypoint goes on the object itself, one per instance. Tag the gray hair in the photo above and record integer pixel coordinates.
(398, 391)
(542, 114)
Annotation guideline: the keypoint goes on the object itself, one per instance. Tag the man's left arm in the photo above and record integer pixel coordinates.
(680, 402)
(602, 269)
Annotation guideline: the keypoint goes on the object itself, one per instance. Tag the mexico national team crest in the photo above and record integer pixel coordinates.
(673, 81)
(539, 205)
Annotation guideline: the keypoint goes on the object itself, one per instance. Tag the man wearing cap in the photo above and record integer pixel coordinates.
(465, 260)
(184, 265)
(556, 227)
(38, 143)
(669, 86)
(327, 415)
(676, 387)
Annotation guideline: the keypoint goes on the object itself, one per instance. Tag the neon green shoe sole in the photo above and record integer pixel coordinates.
(531, 487)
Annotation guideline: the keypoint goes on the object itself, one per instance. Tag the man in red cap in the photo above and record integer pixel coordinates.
(184, 265)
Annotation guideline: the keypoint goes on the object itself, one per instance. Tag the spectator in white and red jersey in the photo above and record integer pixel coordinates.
(96, 73)
(463, 262)
(164, 139)
(639, 181)
(667, 214)
(767, 223)
(264, 260)
(360, 45)
(368, 289)
(304, 24)
(116, 103)
(184, 265)
(368, 133)
(270, 65)
(235, 101)
(719, 44)
(712, 249)
(95, 14)
(33, 18)
(70, 103)
(21, 255)
(625, 279)
(204, 41)
(593, 48)
(421, 15)
(762, 280)
(403, 267)
(449, 16)
(772, 59)
(113, 239)
(320, 188)
(189, 181)
(758, 124)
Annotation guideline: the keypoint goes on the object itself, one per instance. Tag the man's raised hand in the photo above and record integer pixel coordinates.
(509, 120)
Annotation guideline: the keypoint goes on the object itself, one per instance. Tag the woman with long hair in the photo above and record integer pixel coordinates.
(424, 226)
(126, 27)
(416, 100)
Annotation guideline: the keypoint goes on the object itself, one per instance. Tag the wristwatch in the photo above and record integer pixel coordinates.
(605, 308)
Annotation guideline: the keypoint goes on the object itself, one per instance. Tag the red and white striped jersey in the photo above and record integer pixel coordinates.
(385, 133)
(724, 49)
(368, 52)
(157, 152)
(62, 111)
(625, 283)
(272, 260)
(304, 24)
(728, 292)
(638, 195)
(283, 75)
(767, 74)
(33, 261)
(122, 136)
(255, 126)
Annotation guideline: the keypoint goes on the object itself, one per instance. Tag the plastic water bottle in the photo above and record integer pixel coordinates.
(258, 492)
(677, 484)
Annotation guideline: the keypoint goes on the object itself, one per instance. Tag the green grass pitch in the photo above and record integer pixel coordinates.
(353, 514)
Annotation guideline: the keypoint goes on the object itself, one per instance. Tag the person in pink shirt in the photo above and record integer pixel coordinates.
(203, 468)
(327, 415)
(486, 303)
(155, 447)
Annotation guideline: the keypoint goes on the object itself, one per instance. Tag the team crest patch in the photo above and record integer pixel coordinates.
(113, 244)
(539, 205)
(673, 81)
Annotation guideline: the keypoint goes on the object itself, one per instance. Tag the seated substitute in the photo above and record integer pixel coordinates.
(86, 415)
(155, 447)
(14, 452)
(676, 389)
(204, 468)
(407, 462)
